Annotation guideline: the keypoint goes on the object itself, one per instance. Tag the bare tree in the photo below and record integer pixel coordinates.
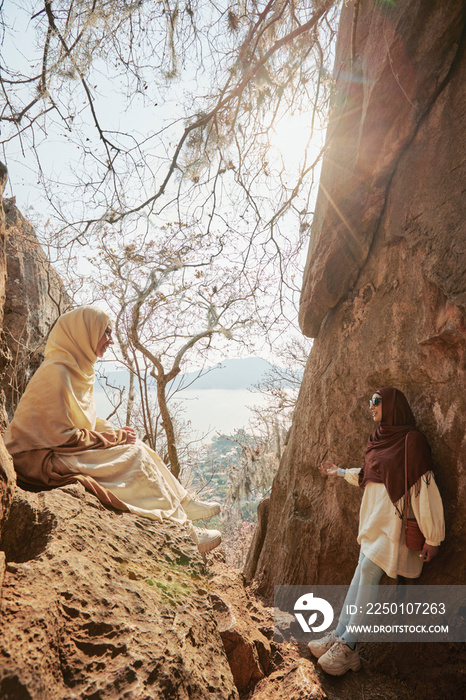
(107, 82)
(171, 297)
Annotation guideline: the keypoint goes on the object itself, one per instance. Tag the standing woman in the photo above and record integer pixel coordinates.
(381, 532)
(56, 438)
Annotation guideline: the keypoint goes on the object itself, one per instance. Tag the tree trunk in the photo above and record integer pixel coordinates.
(130, 402)
(167, 424)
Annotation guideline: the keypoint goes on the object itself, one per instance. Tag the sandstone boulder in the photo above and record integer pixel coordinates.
(103, 604)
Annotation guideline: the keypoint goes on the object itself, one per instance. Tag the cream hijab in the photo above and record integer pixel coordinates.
(59, 399)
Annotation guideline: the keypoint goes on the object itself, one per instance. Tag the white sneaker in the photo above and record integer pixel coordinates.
(339, 659)
(207, 539)
(318, 647)
(200, 510)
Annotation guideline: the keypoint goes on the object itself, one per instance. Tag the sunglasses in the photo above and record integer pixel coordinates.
(375, 400)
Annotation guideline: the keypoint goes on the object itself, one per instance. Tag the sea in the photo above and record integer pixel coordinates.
(208, 411)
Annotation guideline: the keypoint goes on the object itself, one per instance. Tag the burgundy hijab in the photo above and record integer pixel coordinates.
(385, 453)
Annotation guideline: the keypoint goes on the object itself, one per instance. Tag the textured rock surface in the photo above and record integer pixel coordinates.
(102, 604)
(239, 621)
(385, 293)
(34, 298)
(297, 680)
(7, 483)
(7, 475)
(405, 71)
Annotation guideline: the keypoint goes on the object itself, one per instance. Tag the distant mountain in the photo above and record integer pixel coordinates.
(230, 374)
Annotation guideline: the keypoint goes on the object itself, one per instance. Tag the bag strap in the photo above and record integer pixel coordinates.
(405, 517)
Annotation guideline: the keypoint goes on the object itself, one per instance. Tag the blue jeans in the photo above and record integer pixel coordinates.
(363, 589)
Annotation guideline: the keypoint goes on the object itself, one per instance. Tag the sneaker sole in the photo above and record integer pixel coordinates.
(208, 513)
(207, 546)
(318, 654)
(354, 666)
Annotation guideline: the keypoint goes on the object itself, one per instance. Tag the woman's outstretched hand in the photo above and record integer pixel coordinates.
(428, 552)
(130, 435)
(328, 469)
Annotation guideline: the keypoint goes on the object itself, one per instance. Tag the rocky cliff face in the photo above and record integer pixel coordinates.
(385, 286)
(31, 299)
(7, 475)
(384, 292)
(34, 298)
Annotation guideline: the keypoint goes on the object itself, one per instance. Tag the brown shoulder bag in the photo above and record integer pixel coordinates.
(414, 537)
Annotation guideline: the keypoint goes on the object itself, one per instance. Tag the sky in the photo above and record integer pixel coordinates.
(60, 156)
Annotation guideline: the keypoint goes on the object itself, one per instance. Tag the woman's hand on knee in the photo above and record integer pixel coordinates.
(130, 435)
(328, 469)
(428, 552)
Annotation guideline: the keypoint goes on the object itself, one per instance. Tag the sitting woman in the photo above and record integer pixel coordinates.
(381, 532)
(55, 437)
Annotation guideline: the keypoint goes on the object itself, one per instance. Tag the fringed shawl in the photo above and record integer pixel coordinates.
(385, 453)
(57, 410)
(59, 399)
